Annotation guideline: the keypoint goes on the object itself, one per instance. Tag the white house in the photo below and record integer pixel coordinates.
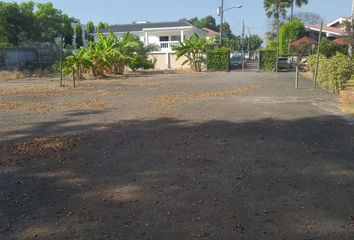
(162, 34)
(332, 30)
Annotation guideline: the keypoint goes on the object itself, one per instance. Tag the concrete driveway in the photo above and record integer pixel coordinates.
(175, 156)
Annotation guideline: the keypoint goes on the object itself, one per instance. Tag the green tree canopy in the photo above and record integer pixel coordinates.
(252, 42)
(210, 22)
(90, 29)
(78, 35)
(30, 22)
(289, 32)
(100, 26)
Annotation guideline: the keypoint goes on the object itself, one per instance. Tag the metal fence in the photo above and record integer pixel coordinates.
(29, 59)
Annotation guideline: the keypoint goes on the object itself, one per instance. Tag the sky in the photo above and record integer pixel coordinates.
(128, 11)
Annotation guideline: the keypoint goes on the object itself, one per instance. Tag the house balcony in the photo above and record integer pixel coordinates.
(168, 45)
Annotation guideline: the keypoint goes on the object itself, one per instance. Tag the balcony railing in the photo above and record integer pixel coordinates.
(168, 45)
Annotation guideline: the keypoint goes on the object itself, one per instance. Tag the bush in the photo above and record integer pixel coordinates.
(329, 48)
(272, 44)
(218, 59)
(333, 72)
(267, 59)
(303, 49)
(141, 62)
(288, 33)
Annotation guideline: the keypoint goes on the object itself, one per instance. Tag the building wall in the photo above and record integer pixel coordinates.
(168, 61)
(177, 64)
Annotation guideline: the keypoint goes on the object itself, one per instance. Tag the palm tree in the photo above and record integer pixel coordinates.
(276, 9)
(298, 3)
(194, 49)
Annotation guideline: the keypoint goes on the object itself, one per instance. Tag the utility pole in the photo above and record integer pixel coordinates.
(61, 60)
(222, 19)
(318, 58)
(248, 42)
(243, 45)
(350, 49)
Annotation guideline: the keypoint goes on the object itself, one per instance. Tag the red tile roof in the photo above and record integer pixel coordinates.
(341, 41)
(211, 32)
(305, 39)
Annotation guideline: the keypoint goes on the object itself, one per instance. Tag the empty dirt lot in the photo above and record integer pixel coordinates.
(175, 156)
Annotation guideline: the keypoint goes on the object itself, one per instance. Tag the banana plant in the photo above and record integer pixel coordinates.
(76, 64)
(194, 50)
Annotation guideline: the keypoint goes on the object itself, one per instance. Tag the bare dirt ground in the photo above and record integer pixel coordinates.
(175, 156)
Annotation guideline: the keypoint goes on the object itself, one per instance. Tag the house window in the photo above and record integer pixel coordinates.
(164, 39)
(176, 38)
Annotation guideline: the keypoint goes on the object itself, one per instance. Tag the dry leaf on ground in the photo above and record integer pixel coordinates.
(10, 105)
(42, 109)
(45, 147)
(88, 104)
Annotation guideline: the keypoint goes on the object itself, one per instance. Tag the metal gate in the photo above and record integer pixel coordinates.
(244, 61)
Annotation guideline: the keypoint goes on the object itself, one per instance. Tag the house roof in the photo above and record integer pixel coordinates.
(338, 20)
(211, 32)
(341, 41)
(138, 27)
(327, 29)
(305, 39)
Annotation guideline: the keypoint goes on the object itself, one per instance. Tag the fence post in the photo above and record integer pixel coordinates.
(297, 77)
(40, 62)
(17, 62)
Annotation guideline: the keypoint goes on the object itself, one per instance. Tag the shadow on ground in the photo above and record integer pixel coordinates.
(170, 179)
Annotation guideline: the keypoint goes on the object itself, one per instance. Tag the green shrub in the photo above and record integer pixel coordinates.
(218, 59)
(272, 44)
(288, 33)
(141, 62)
(333, 72)
(267, 59)
(329, 48)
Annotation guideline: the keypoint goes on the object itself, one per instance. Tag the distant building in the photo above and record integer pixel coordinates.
(332, 31)
(163, 34)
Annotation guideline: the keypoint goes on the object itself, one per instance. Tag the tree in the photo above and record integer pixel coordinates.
(100, 26)
(298, 3)
(208, 22)
(194, 50)
(226, 31)
(52, 23)
(289, 32)
(252, 42)
(78, 35)
(276, 9)
(16, 22)
(90, 30)
(308, 18)
(30, 22)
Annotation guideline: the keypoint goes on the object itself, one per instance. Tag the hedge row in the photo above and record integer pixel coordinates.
(333, 72)
(218, 59)
(267, 59)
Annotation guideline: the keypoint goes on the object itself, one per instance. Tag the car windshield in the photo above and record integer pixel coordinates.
(235, 59)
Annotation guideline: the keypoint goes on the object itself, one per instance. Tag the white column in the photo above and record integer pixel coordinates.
(146, 38)
(182, 35)
(167, 60)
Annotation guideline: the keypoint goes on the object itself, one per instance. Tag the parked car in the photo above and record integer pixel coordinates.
(236, 62)
(286, 63)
